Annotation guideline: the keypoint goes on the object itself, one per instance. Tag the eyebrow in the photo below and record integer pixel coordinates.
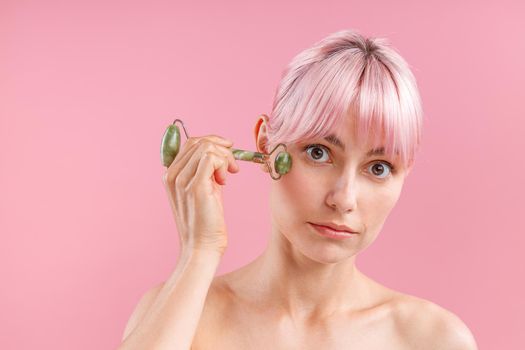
(335, 141)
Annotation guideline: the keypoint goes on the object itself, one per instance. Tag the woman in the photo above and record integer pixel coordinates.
(349, 111)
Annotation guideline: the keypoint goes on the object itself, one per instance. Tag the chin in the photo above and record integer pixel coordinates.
(317, 249)
(327, 254)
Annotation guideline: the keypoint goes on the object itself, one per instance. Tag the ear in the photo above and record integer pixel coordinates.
(261, 136)
(260, 132)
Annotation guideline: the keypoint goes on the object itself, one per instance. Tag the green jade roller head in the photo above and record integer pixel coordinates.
(170, 147)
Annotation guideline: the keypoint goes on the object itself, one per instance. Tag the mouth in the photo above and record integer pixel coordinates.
(331, 233)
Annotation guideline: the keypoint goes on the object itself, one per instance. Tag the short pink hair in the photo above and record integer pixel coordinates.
(348, 74)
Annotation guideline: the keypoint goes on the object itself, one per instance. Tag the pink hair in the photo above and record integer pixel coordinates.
(348, 73)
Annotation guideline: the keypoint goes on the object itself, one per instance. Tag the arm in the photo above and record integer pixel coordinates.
(168, 315)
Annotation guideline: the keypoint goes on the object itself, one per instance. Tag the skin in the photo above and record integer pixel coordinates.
(309, 277)
(305, 291)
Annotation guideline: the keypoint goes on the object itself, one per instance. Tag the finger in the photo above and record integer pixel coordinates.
(210, 163)
(214, 138)
(225, 151)
(197, 140)
(233, 166)
(188, 172)
(190, 147)
(180, 161)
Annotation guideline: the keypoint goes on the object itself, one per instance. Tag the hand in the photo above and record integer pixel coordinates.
(194, 185)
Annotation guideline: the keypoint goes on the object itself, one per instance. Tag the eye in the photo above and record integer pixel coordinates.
(316, 152)
(378, 168)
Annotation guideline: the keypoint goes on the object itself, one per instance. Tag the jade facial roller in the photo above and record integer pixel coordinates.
(170, 147)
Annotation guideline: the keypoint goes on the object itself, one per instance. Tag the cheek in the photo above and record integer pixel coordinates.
(378, 205)
(391, 196)
(294, 197)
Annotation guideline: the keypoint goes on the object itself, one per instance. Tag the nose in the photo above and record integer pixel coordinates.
(343, 195)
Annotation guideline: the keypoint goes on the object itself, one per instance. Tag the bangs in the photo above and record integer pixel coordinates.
(374, 87)
(387, 111)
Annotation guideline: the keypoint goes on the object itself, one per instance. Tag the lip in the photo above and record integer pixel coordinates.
(329, 232)
(335, 227)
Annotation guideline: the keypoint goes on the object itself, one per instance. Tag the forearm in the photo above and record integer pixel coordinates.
(172, 320)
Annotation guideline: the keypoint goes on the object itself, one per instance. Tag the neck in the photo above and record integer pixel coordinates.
(302, 288)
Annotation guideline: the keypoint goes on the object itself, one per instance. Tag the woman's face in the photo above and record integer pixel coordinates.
(328, 184)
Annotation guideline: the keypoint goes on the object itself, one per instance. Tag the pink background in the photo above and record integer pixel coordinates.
(88, 88)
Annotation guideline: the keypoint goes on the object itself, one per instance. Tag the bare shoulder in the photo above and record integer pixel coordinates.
(215, 317)
(211, 318)
(144, 303)
(423, 323)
